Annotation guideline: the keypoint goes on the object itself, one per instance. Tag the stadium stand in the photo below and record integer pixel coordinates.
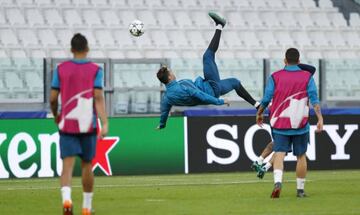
(34, 29)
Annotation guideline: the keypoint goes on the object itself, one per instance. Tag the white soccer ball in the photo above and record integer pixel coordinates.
(136, 28)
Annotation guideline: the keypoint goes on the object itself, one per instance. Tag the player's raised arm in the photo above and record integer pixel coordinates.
(165, 110)
(308, 68)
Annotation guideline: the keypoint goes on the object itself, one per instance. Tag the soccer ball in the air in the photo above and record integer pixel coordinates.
(136, 28)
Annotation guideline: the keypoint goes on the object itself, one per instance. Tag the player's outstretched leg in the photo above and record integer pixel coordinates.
(211, 72)
(230, 84)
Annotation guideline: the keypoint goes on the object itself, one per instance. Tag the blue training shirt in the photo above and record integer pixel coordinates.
(312, 94)
(184, 93)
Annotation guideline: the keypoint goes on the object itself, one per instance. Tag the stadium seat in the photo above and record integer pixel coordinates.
(13, 82)
(155, 99)
(236, 20)
(319, 39)
(165, 19)
(292, 4)
(302, 39)
(136, 3)
(270, 19)
(268, 39)
(229, 37)
(63, 3)
(201, 19)
(304, 20)
(43, 2)
(134, 54)
(326, 4)
(20, 59)
(116, 54)
(338, 20)
(321, 20)
(96, 53)
(276, 4)
(144, 41)
(8, 38)
(183, 19)
(149, 17)
(155, 4)
(15, 16)
(197, 40)
(253, 20)
(249, 39)
(284, 39)
(72, 18)
(139, 102)
(172, 4)
(162, 40)
(153, 53)
(105, 38)
(308, 4)
(22, 3)
(53, 17)
(124, 39)
(34, 82)
(34, 17)
(64, 36)
(354, 20)
(288, 20)
(118, 3)
(110, 18)
(28, 38)
(122, 102)
(189, 4)
(208, 4)
(127, 16)
(336, 39)
(47, 38)
(5, 61)
(59, 53)
(92, 18)
(81, 3)
(352, 38)
(178, 38)
(258, 3)
(99, 3)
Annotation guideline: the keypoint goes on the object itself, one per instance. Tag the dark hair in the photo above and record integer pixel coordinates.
(163, 75)
(292, 56)
(79, 43)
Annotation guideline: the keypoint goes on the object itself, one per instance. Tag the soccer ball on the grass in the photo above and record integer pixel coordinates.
(136, 28)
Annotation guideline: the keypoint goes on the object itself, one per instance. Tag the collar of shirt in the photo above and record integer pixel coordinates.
(80, 61)
(170, 84)
(292, 68)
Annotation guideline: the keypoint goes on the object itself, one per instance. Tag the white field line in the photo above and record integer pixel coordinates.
(3, 188)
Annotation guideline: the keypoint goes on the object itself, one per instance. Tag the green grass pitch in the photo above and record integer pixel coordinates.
(330, 192)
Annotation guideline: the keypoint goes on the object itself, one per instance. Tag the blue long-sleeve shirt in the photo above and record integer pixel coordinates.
(184, 93)
(312, 94)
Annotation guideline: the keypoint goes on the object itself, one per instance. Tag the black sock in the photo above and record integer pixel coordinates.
(241, 91)
(214, 44)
